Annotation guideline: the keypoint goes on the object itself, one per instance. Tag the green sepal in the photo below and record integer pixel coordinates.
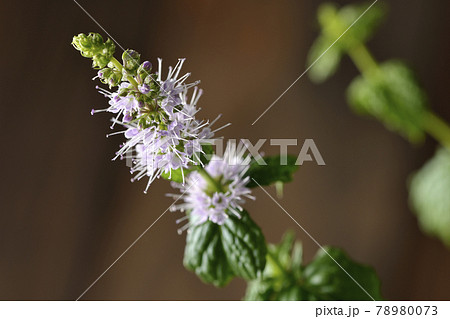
(393, 96)
(429, 195)
(273, 172)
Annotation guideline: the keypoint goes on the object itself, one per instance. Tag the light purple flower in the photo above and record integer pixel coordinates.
(169, 137)
(203, 202)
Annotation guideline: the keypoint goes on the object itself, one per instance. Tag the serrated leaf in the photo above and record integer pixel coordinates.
(244, 246)
(326, 280)
(205, 256)
(430, 196)
(217, 253)
(393, 96)
(273, 172)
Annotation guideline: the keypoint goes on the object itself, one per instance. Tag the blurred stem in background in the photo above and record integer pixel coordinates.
(368, 66)
(389, 92)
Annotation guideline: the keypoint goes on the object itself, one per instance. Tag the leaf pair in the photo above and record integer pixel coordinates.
(217, 253)
(327, 50)
(285, 278)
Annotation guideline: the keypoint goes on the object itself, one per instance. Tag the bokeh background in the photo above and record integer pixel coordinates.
(67, 211)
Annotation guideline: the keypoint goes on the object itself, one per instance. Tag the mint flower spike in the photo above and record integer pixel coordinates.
(161, 131)
(215, 192)
(92, 46)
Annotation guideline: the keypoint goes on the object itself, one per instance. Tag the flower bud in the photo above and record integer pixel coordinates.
(144, 88)
(131, 60)
(144, 69)
(92, 46)
(104, 73)
(114, 78)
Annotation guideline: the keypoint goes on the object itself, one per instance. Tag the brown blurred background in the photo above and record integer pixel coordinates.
(67, 212)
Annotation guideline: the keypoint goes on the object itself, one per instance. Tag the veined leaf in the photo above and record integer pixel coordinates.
(205, 256)
(393, 96)
(217, 253)
(244, 246)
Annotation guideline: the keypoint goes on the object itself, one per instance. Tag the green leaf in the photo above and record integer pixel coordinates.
(244, 246)
(430, 196)
(205, 256)
(285, 278)
(393, 96)
(208, 151)
(273, 172)
(217, 253)
(326, 280)
(334, 23)
(365, 27)
(282, 251)
(327, 64)
(176, 175)
(261, 290)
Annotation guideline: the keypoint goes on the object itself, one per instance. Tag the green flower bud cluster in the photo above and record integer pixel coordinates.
(92, 46)
(140, 85)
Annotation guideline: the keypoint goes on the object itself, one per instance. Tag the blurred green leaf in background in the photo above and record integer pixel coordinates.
(430, 195)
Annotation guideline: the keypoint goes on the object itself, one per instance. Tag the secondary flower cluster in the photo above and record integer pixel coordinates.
(161, 131)
(217, 191)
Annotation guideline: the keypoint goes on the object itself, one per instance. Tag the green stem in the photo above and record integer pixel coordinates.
(433, 124)
(119, 66)
(363, 60)
(437, 128)
(211, 181)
